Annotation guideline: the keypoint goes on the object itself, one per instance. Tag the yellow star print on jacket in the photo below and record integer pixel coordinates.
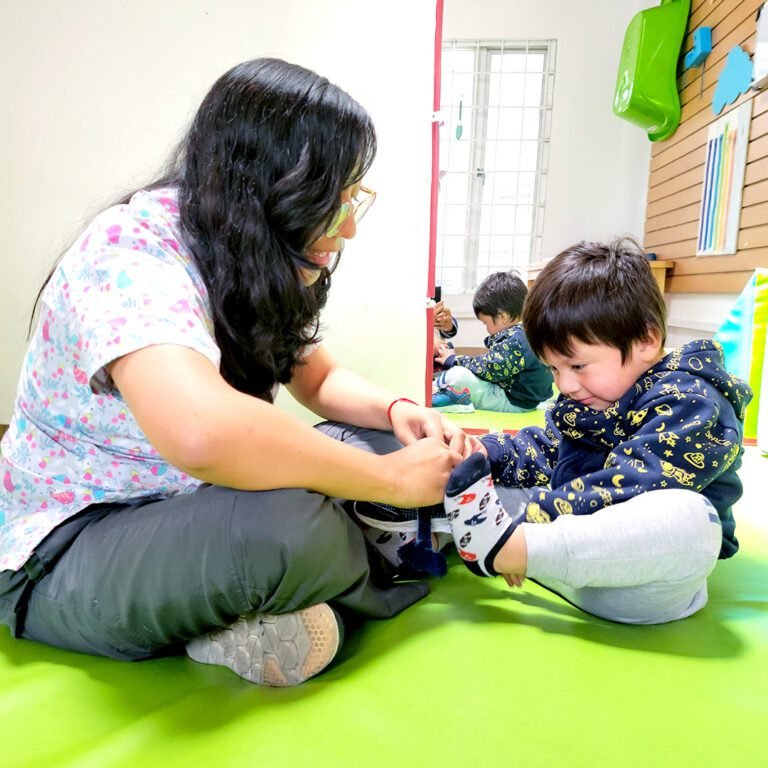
(679, 426)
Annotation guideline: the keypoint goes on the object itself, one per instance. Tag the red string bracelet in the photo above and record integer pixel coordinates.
(392, 405)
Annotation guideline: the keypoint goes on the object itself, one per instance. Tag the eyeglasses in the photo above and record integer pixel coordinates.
(356, 208)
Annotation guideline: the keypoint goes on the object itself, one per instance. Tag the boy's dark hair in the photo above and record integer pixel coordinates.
(597, 293)
(500, 292)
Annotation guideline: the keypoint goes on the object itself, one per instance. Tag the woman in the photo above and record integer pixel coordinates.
(153, 496)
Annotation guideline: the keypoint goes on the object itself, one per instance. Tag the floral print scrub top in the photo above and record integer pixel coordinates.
(128, 282)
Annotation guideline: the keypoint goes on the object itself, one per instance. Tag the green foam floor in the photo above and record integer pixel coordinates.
(474, 675)
(492, 421)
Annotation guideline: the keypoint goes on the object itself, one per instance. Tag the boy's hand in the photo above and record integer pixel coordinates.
(443, 353)
(443, 317)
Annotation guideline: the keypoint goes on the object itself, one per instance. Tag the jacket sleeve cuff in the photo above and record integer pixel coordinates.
(497, 453)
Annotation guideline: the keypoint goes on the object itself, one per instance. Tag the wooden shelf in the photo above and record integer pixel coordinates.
(659, 269)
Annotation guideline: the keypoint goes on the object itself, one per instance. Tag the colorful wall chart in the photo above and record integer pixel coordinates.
(724, 182)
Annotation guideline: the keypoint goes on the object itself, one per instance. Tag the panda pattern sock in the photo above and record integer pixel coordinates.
(479, 523)
(387, 543)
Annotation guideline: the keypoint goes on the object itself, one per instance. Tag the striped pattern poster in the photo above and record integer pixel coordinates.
(724, 182)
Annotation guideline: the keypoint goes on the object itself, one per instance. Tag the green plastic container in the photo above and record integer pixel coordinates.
(646, 86)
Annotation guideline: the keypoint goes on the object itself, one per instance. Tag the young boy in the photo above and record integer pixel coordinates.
(509, 378)
(622, 503)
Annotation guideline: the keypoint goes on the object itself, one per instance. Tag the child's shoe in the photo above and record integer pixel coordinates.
(280, 650)
(448, 400)
(406, 537)
(385, 517)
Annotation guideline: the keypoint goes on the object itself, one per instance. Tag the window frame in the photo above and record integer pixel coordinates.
(472, 267)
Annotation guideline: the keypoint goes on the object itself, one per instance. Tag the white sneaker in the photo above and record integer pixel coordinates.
(385, 517)
(279, 651)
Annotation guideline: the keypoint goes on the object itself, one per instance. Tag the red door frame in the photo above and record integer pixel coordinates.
(433, 197)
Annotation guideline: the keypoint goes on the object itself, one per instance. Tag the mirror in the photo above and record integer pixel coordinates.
(531, 157)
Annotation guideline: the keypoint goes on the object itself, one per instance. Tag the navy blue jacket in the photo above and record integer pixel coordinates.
(511, 364)
(679, 426)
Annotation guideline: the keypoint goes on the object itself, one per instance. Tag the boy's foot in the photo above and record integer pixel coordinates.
(479, 523)
(280, 650)
(448, 400)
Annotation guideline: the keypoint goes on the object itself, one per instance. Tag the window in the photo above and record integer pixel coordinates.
(494, 149)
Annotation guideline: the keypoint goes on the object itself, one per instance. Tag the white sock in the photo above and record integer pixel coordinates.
(479, 523)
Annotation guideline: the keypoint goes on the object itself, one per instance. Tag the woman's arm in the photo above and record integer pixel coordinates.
(204, 426)
(341, 395)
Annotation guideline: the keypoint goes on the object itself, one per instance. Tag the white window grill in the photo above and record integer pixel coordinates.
(496, 108)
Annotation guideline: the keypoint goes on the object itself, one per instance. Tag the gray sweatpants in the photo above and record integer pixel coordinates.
(129, 581)
(644, 561)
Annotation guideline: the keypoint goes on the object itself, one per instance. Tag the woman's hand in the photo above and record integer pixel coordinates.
(411, 423)
(417, 474)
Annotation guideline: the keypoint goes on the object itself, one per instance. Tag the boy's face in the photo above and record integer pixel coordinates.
(593, 374)
(495, 323)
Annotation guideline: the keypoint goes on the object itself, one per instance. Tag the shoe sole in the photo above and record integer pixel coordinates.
(274, 650)
(454, 408)
(439, 524)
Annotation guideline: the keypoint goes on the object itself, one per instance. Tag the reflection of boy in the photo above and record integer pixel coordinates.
(508, 378)
(622, 504)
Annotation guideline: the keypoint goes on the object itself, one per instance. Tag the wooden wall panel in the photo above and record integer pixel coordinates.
(668, 204)
(755, 193)
(677, 165)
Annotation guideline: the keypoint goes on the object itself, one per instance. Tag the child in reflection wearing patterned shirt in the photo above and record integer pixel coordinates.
(622, 503)
(508, 378)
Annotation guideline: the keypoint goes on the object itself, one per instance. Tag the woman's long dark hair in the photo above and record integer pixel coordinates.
(260, 175)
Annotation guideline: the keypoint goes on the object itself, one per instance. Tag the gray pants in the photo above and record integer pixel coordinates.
(129, 581)
(644, 561)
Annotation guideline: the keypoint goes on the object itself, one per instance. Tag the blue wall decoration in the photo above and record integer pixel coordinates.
(735, 79)
(702, 47)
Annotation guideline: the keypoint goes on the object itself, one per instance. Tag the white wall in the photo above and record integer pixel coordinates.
(695, 316)
(598, 163)
(95, 93)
